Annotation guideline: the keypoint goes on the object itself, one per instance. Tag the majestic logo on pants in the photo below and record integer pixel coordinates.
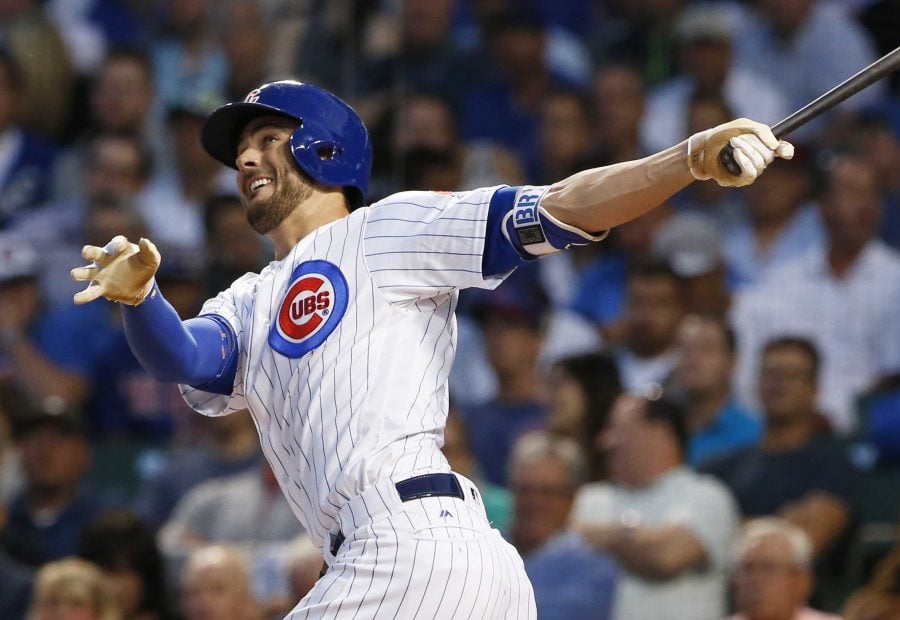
(314, 304)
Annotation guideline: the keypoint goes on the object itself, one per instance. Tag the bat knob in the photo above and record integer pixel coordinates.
(726, 156)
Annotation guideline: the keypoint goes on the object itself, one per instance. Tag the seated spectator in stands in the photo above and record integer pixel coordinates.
(15, 584)
(72, 588)
(792, 472)
(505, 106)
(121, 97)
(806, 47)
(229, 446)
(172, 203)
(619, 103)
(844, 299)
(124, 548)
(691, 245)
(879, 144)
(424, 120)
(705, 34)
(511, 322)
(46, 350)
(879, 599)
(216, 584)
(654, 306)
(564, 134)
(545, 472)
(599, 294)
(47, 518)
(247, 510)
(772, 572)
(780, 224)
(457, 449)
(112, 171)
(245, 251)
(581, 390)
(570, 580)
(669, 528)
(13, 404)
(27, 158)
(717, 423)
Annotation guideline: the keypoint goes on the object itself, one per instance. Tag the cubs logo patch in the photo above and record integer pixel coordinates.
(314, 304)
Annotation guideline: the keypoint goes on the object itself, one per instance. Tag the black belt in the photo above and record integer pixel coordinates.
(427, 485)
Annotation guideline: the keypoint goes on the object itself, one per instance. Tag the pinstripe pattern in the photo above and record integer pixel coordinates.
(368, 406)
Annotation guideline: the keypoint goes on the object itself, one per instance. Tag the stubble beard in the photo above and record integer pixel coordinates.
(265, 215)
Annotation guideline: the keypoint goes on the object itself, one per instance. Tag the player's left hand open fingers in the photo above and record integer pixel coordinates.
(92, 292)
(85, 274)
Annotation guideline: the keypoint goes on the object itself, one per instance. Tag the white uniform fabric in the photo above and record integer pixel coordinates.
(362, 310)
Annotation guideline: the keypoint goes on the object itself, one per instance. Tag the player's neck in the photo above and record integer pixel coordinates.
(322, 208)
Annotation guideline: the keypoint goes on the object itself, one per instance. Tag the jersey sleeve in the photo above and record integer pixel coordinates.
(231, 306)
(426, 244)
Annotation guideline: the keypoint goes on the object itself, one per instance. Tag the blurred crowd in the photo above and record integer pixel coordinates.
(697, 418)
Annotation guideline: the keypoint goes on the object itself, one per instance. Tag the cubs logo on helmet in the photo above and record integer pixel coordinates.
(314, 304)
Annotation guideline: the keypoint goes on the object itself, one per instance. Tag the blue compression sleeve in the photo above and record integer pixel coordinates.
(201, 352)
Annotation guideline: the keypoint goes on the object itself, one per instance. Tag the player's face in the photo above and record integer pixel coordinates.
(269, 182)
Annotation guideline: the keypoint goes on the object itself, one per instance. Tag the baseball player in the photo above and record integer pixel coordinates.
(341, 347)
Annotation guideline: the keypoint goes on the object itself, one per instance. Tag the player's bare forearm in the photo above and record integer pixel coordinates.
(601, 198)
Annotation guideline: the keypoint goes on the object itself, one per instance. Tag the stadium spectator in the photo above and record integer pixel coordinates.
(247, 510)
(511, 322)
(879, 598)
(691, 245)
(48, 516)
(26, 158)
(229, 446)
(545, 472)
(806, 47)
(113, 170)
(565, 132)
(46, 77)
(121, 100)
(654, 306)
(668, 527)
(172, 204)
(704, 33)
(188, 56)
(124, 548)
(581, 390)
(772, 572)
(792, 472)
(72, 588)
(844, 299)
(780, 225)
(13, 405)
(717, 424)
(879, 145)
(224, 218)
(619, 104)
(15, 585)
(246, 42)
(216, 584)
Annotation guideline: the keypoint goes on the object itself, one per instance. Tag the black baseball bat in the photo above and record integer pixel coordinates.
(849, 87)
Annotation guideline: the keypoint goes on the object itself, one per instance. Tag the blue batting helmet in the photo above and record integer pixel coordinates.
(331, 144)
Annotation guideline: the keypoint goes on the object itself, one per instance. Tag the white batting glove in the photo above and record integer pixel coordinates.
(754, 144)
(121, 271)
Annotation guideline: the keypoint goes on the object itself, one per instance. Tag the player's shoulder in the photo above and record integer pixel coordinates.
(425, 199)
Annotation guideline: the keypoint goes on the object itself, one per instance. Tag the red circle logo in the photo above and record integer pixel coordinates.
(306, 307)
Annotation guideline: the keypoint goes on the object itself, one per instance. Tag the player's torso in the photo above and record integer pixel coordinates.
(345, 387)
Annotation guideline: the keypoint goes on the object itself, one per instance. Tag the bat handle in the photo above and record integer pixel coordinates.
(726, 156)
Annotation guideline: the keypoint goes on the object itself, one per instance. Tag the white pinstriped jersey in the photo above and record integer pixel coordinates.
(369, 402)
